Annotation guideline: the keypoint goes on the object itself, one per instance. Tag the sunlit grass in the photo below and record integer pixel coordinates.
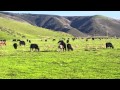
(50, 64)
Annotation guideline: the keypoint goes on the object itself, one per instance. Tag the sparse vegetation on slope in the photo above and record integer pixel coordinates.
(75, 25)
(14, 29)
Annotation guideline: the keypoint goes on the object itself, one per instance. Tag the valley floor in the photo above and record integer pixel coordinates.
(78, 64)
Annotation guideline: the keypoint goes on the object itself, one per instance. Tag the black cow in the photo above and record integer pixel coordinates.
(34, 46)
(15, 45)
(22, 43)
(67, 41)
(29, 41)
(73, 39)
(69, 47)
(93, 38)
(62, 45)
(14, 40)
(108, 44)
(53, 39)
(18, 39)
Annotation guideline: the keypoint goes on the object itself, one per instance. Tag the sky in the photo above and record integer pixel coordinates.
(112, 14)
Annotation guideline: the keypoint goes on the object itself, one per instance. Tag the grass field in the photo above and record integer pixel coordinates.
(87, 61)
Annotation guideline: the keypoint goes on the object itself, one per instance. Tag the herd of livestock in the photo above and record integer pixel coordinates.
(62, 45)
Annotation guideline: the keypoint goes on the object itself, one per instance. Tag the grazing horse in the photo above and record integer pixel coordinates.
(62, 45)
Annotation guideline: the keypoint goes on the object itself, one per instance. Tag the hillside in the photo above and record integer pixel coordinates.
(10, 28)
(78, 26)
(52, 22)
(96, 25)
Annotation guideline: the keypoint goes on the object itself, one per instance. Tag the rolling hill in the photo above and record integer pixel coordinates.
(96, 25)
(53, 22)
(78, 26)
(10, 28)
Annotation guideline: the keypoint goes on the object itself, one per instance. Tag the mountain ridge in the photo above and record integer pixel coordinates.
(78, 26)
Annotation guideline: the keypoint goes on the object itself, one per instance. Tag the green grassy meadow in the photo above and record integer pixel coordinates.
(82, 63)
(89, 60)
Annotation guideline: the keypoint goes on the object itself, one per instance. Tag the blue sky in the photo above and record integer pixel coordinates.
(112, 14)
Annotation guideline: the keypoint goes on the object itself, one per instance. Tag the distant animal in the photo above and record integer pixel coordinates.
(29, 41)
(2, 42)
(34, 46)
(53, 39)
(93, 38)
(67, 41)
(14, 40)
(86, 39)
(15, 45)
(62, 45)
(73, 39)
(108, 44)
(22, 43)
(18, 39)
(69, 47)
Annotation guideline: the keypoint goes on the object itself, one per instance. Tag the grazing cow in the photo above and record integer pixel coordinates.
(2, 42)
(67, 41)
(86, 39)
(29, 41)
(108, 44)
(18, 39)
(93, 38)
(53, 39)
(23, 36)
(14, 40)
(69, 47)
(73, 39)
(34, 46)
(15, 45)
(22, 43)
(62, 45)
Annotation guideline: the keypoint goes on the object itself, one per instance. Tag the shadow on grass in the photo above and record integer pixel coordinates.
(49, 51)
(42, 51)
